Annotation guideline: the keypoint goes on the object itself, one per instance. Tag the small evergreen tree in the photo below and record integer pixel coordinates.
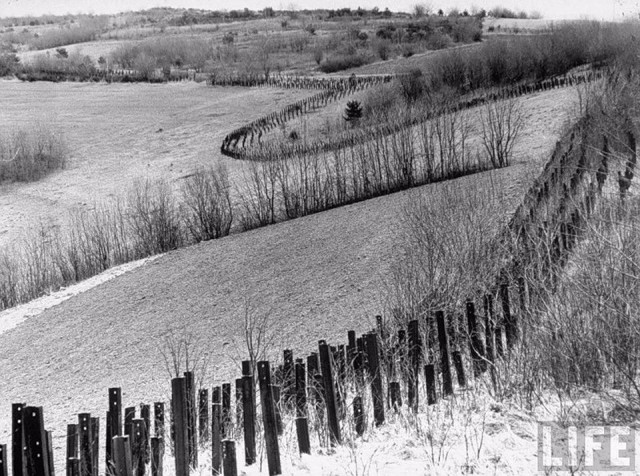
(353, 111)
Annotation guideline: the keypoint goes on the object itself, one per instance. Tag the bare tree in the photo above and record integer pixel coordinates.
(183, 350)
(502, 123)
(206, 204)
(422, 9)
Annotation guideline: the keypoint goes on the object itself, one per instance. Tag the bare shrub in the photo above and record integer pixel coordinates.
(40, 275)
(206, 204)
(185, 351)
(145, 64)
(449, 249)
(380, 100)
(502, 123)
(28, 154)
(97, 239)
(411, 85)
(452, 131)
(318, 54)
(257, 334)
(258, 206)
(583, 333)
(153, 217)
(382, 48)
(339, 63)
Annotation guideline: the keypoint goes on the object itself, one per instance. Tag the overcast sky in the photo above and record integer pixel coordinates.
(552, 9)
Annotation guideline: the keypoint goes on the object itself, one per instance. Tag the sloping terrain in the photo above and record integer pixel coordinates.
(317, 277)
(118, 133)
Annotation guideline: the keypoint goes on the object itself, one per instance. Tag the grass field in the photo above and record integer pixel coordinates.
(118, 133)
(317, 276)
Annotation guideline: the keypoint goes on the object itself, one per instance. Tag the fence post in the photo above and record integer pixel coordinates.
(72, 447)
(239, 415)
(489, 327)
(475, 343)
(269, 418)
(36, 454)
(377, 393)
(302, 423)
(288, 377)
(122, 456)
(226, 410)
(138, 438)
(179, 416)
(95, 444)
(358, 415)
(329, 393)
(108, 442)
(351, 349)
(395, 396)
(248, 413)
(430, 378)
(510, 323)
(203, 414)
(401, 366)
(129, 415)
(229, 465)
(157, 452)
(443, 341)
(314, 381)
(277, 400)
(52, 470)
(414, 363)
(84, 436)
(17, 439)
(158, 417)
(498, 340)
(4, 467)
(192, 419)
(114, 422)
(216, 435)
(459, 366)
(145, 414)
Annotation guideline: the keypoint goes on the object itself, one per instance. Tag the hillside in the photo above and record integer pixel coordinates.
(318, 277)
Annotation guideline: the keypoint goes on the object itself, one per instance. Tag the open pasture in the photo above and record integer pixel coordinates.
(119, 133)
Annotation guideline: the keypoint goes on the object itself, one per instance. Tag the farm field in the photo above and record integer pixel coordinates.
(516, 267)
(317, 276)
(119, 133)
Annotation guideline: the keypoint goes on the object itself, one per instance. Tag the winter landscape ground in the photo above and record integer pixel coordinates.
(497, 153)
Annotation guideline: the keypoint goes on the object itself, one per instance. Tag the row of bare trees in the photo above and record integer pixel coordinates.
(448, 146)
(154, 217)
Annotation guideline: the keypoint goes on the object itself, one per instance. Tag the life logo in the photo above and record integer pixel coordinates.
(587, 448)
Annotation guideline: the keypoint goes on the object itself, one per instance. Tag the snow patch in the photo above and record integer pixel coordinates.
(10, 318)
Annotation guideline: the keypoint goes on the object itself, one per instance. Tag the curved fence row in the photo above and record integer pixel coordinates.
(547, 225)
(252, 150)
(333, 90)
(109, 75)
(299, 82)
